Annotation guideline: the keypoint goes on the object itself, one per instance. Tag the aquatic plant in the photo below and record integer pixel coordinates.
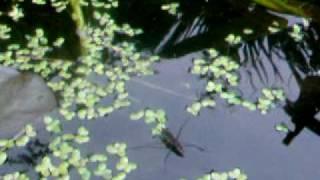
(296, 33)
(172, 8)
(235, 174)
(155, 117)
(221, 73)
(19, 140)
(106, 57)
(282, 127)
(80, 96)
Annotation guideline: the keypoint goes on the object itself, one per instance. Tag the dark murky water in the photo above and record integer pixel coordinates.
(233, 136)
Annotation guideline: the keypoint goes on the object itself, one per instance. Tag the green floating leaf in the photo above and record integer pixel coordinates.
(22, 141)
(120, 176)
(207, 102)
(194, 109)
(130, 167)
(150, 116)
(103, 171)
(98, 158)
(82, 139)
(82, 131)
(30, 131)
(3, 157)
(4, 142)
(111, 149)
(248, 31)
(84, 173)
(213, 53)
(137, 115)
(105, 110)
(122, 164)
(282, 127)
(235, 173)
(219, 176)
(210, 86)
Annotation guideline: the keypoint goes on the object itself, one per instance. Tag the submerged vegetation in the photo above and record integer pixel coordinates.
(89, 70)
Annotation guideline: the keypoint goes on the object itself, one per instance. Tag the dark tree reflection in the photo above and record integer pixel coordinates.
(304, 109)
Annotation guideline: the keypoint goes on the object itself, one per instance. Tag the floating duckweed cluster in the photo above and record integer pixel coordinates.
(87, 95)
(269, 98)
(67, 156)
(233, 39)
(171, 8)
(296, 33)
(248, 31)
(221, 72)
(282, 127)
(81, 96)
(235, 174)
(4, 31)
(124, 166)
(15, 175)
(20, 140)
(274, 27)
(102, 57)
(16, 13)
(157, 117)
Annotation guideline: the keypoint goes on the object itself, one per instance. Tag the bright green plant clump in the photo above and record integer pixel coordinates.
(172, 8)
(67, 156)
(222, 79)
(235, 174)
(296, 33)
(72, 80)
(83, 96)
(232, 39)
(274, 27)
(282, 127)
(156, 117)
(20, 140)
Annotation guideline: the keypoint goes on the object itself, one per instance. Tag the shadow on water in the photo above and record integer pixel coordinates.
(272, 59)
(304, 109)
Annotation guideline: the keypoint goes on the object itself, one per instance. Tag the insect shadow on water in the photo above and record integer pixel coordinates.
(172, 143)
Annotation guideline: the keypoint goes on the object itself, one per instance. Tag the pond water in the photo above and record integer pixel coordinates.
(232, 136)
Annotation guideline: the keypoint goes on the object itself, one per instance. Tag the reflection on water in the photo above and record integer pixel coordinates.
(233, 136)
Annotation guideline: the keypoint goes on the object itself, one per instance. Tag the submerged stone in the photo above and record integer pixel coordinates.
(24, 98)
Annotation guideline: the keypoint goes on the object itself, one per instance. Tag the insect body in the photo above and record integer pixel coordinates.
(171, 142)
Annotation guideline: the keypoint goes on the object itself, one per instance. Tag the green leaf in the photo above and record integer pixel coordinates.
(98, 158)
(235, 173)
(137, 115)
(85, 173)
(210, 86)
(3, 157)
(3, 142)
(207, 102)
(22, 141)
(194, 109)
(30, 131)
(282, 127)
(82, 131)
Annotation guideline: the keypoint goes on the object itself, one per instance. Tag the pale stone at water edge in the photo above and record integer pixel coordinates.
(24, 98)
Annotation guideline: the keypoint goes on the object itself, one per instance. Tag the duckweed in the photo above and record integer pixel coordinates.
(81, 97)
(222, 77)
(282, 127)
(171, 8)
(235, 174)
(155, 117)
